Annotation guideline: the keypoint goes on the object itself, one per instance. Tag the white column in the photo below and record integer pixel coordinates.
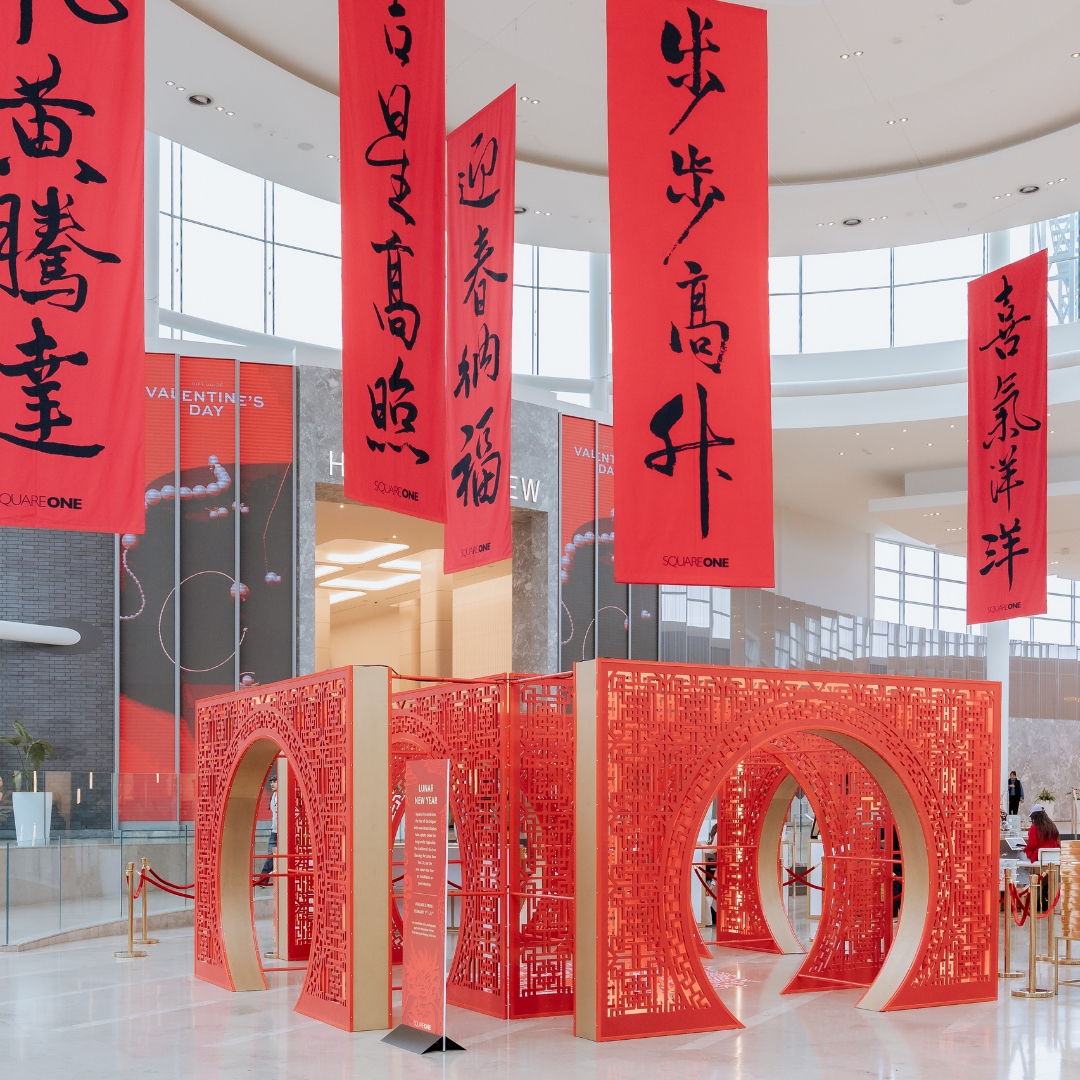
(999, 253)
(599, 345)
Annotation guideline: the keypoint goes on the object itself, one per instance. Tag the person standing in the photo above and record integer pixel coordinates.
(268, 865)
(1016, 793)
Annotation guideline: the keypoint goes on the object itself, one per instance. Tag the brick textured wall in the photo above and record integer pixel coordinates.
(66, 699)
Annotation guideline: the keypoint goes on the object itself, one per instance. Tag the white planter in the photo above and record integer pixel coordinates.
(33, 815)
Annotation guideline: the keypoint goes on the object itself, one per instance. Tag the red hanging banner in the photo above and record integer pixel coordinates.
(1006, 515)
(689, 196)
(392, 220)
(479, 303)
(71, 265)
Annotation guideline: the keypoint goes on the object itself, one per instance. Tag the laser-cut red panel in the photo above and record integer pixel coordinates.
(300, 884)
(542, 732)
(669, 734)
(310, 719)
(855, 929)
(510, 742)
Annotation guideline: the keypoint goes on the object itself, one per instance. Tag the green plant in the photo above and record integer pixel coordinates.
(1046, 795)
(32, 753)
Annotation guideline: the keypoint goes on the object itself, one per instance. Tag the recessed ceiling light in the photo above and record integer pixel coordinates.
(331, 157)
(169, 82)
(892, 447)
(858, 52)
(903, 119)
(1061, 179)
(929, 444)
(858, 432)
(1050, 183)
(832, 222)
(1008, 194)
(524, 97)
(884, 217)
(220, 108)
(1075, 55)
(547, 213)
(181, 89)
(873, 219)
(890, 122)
(844, 56)
(535, 101)
(820, 223)
(997, 196)
(227, 113)
(841, 453)
(952, 425)
(903, 429)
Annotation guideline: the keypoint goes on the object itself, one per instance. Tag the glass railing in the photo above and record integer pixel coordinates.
(65, 846)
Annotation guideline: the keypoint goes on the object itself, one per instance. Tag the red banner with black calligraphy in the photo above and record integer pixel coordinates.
(479, 306)
(688, 176)
(393, 131)
(71, 264)
(1006, 510)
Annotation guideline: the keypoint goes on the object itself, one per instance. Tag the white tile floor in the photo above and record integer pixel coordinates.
(75, 1011)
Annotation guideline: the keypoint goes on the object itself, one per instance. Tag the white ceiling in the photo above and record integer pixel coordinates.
(989, 89)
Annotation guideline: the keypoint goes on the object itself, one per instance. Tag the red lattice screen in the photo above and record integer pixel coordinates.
(510, 742)
(309, 719)
(295, 841)
(668, 735)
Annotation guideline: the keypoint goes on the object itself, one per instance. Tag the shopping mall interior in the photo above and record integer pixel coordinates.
(914, 146)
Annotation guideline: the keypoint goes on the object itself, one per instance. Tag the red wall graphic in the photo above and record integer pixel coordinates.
(1006, 518)
(479, 303)
(392, 238)
(71, 265)
(153, 746)
(423, 971)
(688, 164)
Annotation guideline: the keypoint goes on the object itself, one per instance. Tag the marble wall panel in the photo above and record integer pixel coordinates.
(1046, 753)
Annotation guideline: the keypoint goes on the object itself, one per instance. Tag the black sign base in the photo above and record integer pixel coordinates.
(419, 1042)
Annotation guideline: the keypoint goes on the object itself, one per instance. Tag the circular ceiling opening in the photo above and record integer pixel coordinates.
(202, 100)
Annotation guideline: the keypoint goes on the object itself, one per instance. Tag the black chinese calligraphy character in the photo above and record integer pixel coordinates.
(663, 461)
(9, 243)
(403, 318)
(694, 167)
(700, 346)
(26, 16)
(400, 51)
(87, 174)
(57, 222)
(1006, 341)
(485, 359)
(1004, 405)
(33, 95)
(397, 11)
(674, 53)
(395, 415)
(480, 168)
(38, 368)
(480, 468)
(1005, 482)
(1008, 538)
(478, 285)
(395, 114)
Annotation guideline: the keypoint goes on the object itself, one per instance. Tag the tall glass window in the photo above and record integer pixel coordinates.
(246, 252)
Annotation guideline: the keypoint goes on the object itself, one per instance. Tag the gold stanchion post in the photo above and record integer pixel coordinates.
(131, 915)
(145, 889)
(1008, 973)
(1033, 990)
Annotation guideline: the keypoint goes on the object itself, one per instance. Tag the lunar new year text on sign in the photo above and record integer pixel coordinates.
(688, 169)
(393, 252)
(479, 304)
(71, 276)
(1006, 519)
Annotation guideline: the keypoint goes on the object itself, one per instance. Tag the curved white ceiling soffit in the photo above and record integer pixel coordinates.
(984, 97)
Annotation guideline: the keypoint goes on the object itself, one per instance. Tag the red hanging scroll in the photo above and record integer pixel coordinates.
(71, 275)
(1006, 517)
(480, 300)
(688, 163)
(392, 220)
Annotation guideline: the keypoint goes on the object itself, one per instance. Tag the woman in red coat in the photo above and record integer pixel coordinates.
(1042, 834)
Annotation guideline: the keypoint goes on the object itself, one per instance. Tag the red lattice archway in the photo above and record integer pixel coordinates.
(334, 731)
(654, 744)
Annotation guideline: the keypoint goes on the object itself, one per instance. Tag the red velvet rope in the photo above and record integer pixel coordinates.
(148, 876)
(1014, 901)
(160, 881)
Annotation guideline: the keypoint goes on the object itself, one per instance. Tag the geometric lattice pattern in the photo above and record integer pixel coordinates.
(856, 927)
(510, 743)
(300, 884)
(309, 719)
(670, 734)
